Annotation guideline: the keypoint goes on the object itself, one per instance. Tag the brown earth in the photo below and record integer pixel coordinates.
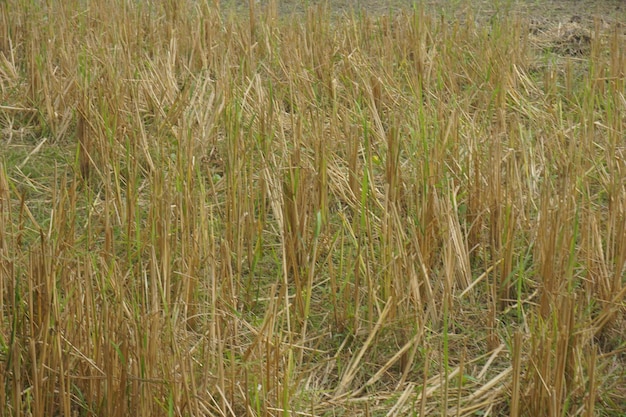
(564, 27)
(562, 11)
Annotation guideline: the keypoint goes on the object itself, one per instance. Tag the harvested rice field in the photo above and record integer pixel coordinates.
(375, 208)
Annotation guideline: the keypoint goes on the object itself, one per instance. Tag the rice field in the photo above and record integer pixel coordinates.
(244, 210)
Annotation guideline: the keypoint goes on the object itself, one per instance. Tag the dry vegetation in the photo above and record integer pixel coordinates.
(205, 214)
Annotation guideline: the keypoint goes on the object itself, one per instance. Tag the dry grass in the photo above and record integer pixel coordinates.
(209, 214)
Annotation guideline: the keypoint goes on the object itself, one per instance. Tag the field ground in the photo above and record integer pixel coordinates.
(288, 210)
(553, 11)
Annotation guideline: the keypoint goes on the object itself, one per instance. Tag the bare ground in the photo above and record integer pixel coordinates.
(562, 27)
